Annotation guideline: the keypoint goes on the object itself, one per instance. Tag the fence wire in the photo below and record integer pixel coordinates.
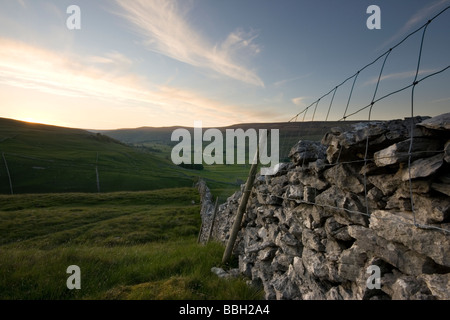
(371, 106)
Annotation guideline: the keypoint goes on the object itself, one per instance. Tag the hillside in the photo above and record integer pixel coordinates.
(43, 158)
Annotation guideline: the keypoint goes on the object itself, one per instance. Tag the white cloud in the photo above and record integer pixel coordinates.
(32, 68)
(299, 101)
(399, 75)
(419, 18)
(166, 30)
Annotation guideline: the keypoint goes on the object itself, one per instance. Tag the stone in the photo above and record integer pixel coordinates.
(351, 263)
(295, 192)
(387, 183)
(423, 168)
(267, 254)
(442, 188)
(336, 230)
(399, 256)
(401, 287)
(309, 194)
(284, 288)
(333, 294)
(440, 122)
(431, 210)
(307, 178)
(346, 204)
(219, 272)
(395, 227)
(315, 263)
(311, 240)
(398, 152)
(344, 177)
(305, 152)
(438, 284)
(447, 152)
(281, 262)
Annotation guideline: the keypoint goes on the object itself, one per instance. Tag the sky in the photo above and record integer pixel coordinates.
(135, 63)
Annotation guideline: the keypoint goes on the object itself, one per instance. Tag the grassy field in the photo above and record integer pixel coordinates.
(46, 159)
(128, 245)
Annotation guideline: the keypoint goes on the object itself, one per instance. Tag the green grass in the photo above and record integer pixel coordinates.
(128, 245)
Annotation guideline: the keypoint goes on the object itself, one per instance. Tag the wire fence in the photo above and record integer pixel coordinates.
(301, 116)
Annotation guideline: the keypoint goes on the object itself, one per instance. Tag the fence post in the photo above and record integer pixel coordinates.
(213, 219)
(7, 171)
(96, 173)
(243, 204)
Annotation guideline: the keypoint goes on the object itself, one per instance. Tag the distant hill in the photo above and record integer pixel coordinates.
(47, 159)
(290, 133)
(43, 158)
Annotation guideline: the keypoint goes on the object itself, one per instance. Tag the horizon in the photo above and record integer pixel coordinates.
(168, 63)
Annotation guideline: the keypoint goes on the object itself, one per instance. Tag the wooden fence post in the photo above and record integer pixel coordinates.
(213, 219)
(243, 205)
(7, 171)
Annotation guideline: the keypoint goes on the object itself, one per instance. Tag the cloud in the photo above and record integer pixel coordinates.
(299, 101)
(284, 81)
(113, 58)
(419, 17)
(29, 67)
(399, 75)
(22, 4)
(166, 30)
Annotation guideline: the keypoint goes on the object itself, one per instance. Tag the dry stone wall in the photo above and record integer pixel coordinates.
(313, 230)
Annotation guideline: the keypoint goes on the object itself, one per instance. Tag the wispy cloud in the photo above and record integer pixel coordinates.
(22, 4)
(419, 18)
(399, 75)
(299, 101)
(166, 30)
(29, 67)
(284, 81)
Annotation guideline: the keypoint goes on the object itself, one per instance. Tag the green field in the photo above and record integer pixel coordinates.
(120, 210)
(128, 245)
(44, 159)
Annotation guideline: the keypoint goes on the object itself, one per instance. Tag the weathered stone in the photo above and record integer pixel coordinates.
(315, 263)
(438, 284)
(307, 151)
(333, 294)
(295, 192)
(442, 188)
(401, 287)
(406, 260)
(311, 240)
(440, 122)
(447, 152)
(284, 288)
(423, 168)
(309, 194)
(387, 183)
(400, 200)
(344, 177)
(337, 230)
(267, 254)
(343, 203)
(398, 152)
(333, 250)
(351, 263)
(431, 210)
(281, 262)
(395, 227)
(307, 178)
(375, 198)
